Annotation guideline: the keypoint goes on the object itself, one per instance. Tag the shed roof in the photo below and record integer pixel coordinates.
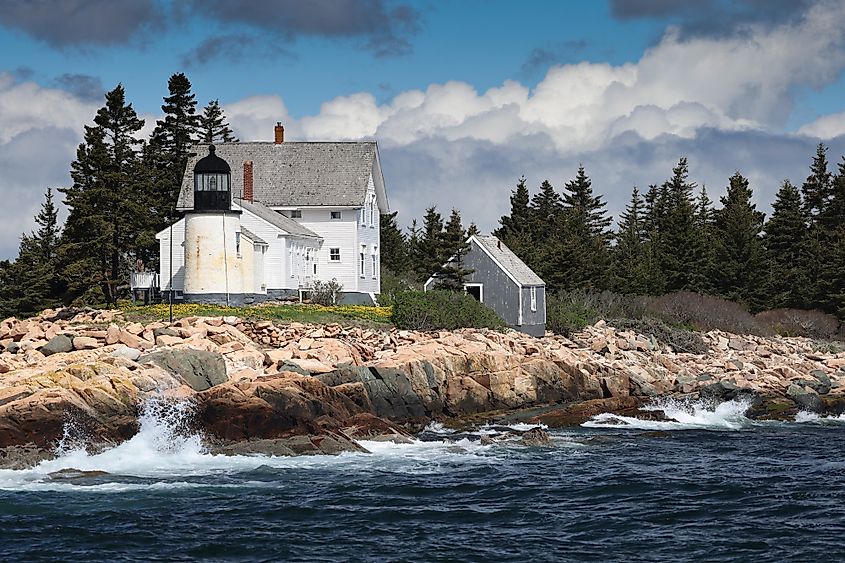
(253, 237)
(508, 261)
(295, 174)
(277, 219)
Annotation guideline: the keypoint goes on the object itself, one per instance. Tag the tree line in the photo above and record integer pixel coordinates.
(670, 238)
(124, 190)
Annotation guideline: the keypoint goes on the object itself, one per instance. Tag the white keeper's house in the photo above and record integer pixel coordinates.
(264, 220)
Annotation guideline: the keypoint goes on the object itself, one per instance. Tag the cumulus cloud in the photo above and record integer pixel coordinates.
(39, 131)
(721, 101)
(82, 86)
(81, 22)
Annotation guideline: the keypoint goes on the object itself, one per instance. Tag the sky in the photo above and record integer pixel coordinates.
(463, 96)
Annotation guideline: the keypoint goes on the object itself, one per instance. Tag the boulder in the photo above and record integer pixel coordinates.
(199, 369)
(126, 353)
(536, 437)
(57, 345)
(85, 343)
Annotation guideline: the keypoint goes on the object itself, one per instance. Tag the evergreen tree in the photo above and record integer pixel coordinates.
(107, 205)
(213, 127)
(631, 260)
(516, 228)
(544, 250)
(414, 250)
(578, 199)
(831, 222)
(739, 247)
(394, 247)
(166, 155)
(680, 247)
(784, 242)
(817, 192)
(704, 224)
(30, 284)
(451, 273)
(429, 247)
(472, 230)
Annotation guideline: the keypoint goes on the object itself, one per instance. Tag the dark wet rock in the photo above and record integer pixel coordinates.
(292, 367)
(536, 437)
(25, 456)
(199, 369)
(575, 414)
(75, 475)
(722, 390)
(164, 331)
(58, 344)
(13, 348)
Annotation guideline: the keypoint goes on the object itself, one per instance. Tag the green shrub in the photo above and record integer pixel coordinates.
(326, 293)
(570, 311)
(391, 286)
(438, 309)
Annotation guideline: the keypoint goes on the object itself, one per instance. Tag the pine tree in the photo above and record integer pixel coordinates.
(784, 241)
(831, 222)
(166, 155)
(107, 205)
(631, 261)
(212, 126)
(680, 247)
(578, 199)
(704, 224)
(739, 247)
(546, 221)
(817, 191)
(516, 228)
(414, 252)
(429, 247)
(472, 230)
(394, 247)
(30, 284)
(452, 273)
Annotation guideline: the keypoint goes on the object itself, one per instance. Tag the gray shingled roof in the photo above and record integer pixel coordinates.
(296, 174)
(509, 261)
(253, 237)
(277, 219)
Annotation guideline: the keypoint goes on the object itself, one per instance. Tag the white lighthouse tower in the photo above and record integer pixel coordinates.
(212, 231)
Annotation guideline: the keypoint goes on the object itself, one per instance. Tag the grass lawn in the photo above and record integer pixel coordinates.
(315, 314)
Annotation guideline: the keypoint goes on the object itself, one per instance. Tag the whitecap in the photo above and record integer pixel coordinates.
(682, 415)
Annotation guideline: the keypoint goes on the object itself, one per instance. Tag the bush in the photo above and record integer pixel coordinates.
(391, 286)
(705, 312)
(570, 311)
(439, 309)
(678, 339)
(797, 322)
(325, 293)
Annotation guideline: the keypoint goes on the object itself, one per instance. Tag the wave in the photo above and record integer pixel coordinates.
(814, 418)
(682, 415)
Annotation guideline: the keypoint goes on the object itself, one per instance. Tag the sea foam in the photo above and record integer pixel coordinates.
(682, 415)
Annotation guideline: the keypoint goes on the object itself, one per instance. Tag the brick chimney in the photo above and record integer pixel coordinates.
(280, 133)
(248, 181)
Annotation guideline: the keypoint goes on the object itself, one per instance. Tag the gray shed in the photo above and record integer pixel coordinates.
(503, 282)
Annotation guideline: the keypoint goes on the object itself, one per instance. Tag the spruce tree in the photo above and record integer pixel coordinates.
(394, 247)
(546, 224)
(166, 155)
(784, 242)
(414, 251)
(31, 284)
(107, 205)
(212, 125)
(680, 247)
(516, 228)
(704, 224)
(817, 191)
(472, 230)
(578, 199)
(817, 187)
(631, 260)
(452, 273)
(739, 248)
(429, 246)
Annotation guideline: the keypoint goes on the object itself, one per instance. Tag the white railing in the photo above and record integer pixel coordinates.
(143, 280)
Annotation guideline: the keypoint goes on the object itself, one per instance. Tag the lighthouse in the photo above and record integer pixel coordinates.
(212, 236)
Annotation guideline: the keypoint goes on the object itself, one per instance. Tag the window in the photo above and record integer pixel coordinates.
(335, 215)
(238, 244)
(533, 298)
(372, 213)
(290, 261)
(315, 268)
(375, 265)
(334, 254)
(362, 217)
(296, 214)
(363, 260)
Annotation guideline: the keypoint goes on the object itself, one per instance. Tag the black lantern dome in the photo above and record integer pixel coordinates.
(212, 180)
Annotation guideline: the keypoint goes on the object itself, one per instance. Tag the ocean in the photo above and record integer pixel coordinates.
(707, 485)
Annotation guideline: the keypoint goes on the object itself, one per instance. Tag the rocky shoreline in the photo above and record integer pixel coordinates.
(255, 387)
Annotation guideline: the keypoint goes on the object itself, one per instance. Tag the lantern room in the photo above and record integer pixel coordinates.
(212, 181)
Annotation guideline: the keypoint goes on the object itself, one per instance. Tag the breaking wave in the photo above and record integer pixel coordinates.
(682, 415)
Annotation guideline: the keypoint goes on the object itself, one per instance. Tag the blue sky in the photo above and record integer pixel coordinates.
(464, 96)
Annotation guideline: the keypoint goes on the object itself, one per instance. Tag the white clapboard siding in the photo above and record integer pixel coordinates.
(178, 282)
(337, 233)
(368, 238)
(274, 258)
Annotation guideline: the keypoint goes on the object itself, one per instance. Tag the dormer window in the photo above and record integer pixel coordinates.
(212, 177)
